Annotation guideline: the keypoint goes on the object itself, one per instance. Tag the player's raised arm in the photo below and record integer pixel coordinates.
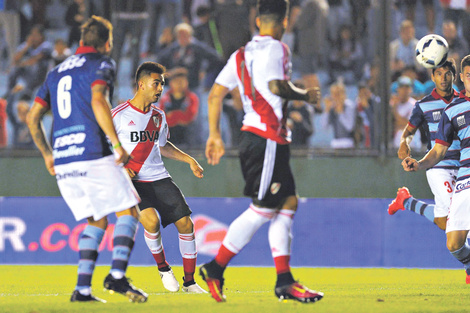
(169, 150)
(34, 121)
(286, 89)
(215, 146)
(101, 109)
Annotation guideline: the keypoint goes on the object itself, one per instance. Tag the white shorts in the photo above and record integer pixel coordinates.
(459, 213)
(95, 188)
(442, 182)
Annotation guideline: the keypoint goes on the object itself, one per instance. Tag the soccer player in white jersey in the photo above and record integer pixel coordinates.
(261, 71)
(91, 180)
(455, 122)
(441, 177)
(142, 128)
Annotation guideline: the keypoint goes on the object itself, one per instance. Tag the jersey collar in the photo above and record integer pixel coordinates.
(438, 96)
(85, 49)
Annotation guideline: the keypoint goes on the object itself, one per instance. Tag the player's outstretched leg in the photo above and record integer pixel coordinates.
(398, 203)
(280, 237)
(88, 247)
(123, 242)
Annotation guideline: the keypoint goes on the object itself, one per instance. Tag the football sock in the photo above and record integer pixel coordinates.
(463, 255)
(280, 238)
(187, 243)
(88, 251)
(154, 243)
(123, 241)
(241, 231)
(420, 207)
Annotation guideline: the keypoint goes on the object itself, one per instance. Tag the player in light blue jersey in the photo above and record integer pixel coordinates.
(90, 178)
(455, 122)
(441, 177)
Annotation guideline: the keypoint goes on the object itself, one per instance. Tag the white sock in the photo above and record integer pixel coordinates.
(153, 241)
(187, 243)
(245, 226)
(279, 234)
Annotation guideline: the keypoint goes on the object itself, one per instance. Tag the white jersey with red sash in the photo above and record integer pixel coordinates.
(141, 135)
(251, 68)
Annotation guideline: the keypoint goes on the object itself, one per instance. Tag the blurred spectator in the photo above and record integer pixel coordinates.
(346, 56)
(418, 88)
(300, 119)
(367, 103)
(339, 14)
(235, 21)
(181, 107)
(207, 31)
(311, 34)
(158, 9)
(402, 105)
(21, 136)
(458, 12)
(3, 123)
(76, 14)
(30, 63)
(294, 11)
(403, 49)
(458, 46)
(61, 52)
(340, 113)
(190, 53)
(428, 5)
(129, 18)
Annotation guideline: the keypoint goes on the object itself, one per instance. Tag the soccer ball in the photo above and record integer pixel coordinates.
(431, 51)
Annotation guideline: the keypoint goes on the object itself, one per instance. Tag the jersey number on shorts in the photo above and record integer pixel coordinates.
(449, 187)
(64, 105)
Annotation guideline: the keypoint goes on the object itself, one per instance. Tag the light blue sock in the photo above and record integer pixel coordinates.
(463, 255)
(88, 250)
(420, 207)
(123, 241)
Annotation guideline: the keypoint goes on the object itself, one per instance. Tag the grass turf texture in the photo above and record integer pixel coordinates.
(48, 289)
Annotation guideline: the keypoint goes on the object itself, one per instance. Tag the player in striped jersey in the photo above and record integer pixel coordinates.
(261, 72)
(141, 127)
(455, 121)
(441, 177)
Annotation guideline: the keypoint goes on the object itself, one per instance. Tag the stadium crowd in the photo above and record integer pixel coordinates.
(332, 42)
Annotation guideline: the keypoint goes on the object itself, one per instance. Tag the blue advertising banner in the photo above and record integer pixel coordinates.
(327, 233)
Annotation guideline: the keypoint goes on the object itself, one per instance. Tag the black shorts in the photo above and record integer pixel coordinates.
(266, 170)
(165, 197)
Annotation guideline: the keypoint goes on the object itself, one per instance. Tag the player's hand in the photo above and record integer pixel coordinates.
(49, 160)
(122, 156)
(197, 169)
(313, 95)
(404, 151)
(130, 172)
(214, 150)
(410, 165)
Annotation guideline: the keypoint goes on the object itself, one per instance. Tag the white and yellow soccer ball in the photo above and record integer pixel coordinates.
(431, 51)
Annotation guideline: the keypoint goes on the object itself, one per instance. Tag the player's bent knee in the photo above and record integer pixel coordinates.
(441, 222)
(149, 219)
(185, 225)
(290, 203)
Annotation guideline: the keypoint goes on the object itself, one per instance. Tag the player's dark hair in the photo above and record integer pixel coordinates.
(96, 31)
(273, 10)
(465, 62)
(450, 64)
(147, 68)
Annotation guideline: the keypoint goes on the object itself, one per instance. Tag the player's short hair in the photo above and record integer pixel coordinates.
(147, 68)
(273, 10)
(450, 64)
(465, 62)
(96, 31)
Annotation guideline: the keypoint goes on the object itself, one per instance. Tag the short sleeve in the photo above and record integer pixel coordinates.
(43, 96)
(164, 133)
(106, 73)
(417, 116)
(228, 76)
(445, 133)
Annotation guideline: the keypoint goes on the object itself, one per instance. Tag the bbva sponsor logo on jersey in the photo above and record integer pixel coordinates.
(144, 135)
(71, 62)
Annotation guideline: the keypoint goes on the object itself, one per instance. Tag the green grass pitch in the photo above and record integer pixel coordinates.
(36, 289)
